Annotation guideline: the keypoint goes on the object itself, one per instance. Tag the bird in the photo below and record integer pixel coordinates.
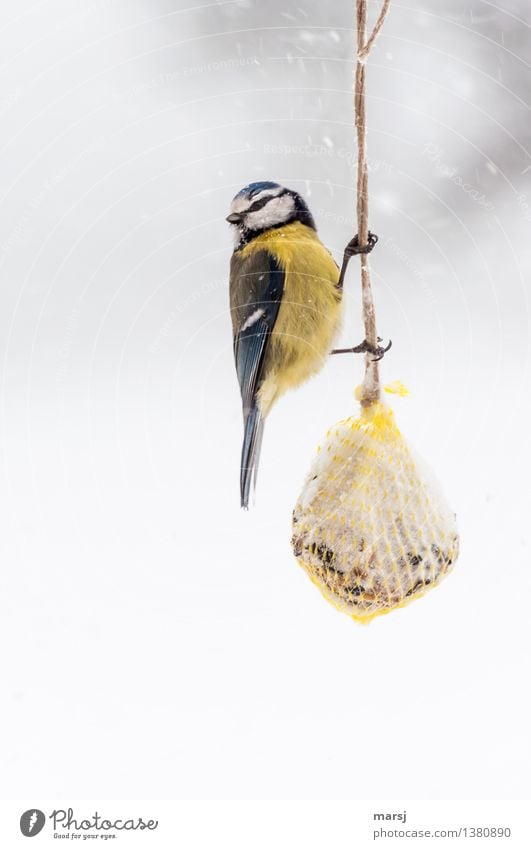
(285, 302)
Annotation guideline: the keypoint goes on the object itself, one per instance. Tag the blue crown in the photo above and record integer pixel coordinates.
(255, 188)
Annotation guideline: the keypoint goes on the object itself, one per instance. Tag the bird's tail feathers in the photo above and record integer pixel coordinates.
(252, 443)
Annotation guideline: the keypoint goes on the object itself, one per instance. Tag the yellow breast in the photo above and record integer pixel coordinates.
(310, 313)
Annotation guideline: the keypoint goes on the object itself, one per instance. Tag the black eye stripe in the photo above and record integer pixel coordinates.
(259, 204)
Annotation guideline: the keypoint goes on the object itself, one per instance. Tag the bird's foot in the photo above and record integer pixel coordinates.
(365, 348)
(353, 248)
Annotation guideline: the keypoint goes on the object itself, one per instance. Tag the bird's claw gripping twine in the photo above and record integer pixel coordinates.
(371, 527)
(354, 248)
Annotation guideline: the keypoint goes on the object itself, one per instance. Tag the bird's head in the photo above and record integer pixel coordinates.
(265, 206)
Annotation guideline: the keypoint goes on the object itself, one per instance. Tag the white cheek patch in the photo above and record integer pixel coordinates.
(253, 318)
(278, 210)
(240, 205)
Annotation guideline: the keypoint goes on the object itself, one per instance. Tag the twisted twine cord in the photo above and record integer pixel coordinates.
(371, 381)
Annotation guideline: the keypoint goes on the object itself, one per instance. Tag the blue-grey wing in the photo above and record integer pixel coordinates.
(257, 286)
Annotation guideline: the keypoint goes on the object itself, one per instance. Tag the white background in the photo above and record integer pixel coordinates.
(156, 641)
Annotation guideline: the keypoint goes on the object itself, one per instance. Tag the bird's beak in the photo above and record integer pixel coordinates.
(234, 218)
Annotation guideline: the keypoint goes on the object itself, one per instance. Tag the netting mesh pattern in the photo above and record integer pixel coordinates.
(371, 527)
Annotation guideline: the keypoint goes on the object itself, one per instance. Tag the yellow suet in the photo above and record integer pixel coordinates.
(371, 526)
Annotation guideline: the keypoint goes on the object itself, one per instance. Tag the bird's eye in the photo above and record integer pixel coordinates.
(259, 204)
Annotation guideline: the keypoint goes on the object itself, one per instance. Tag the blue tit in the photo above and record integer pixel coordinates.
(286, 305)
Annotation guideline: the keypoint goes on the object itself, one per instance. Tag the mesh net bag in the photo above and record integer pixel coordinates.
(371, 527)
